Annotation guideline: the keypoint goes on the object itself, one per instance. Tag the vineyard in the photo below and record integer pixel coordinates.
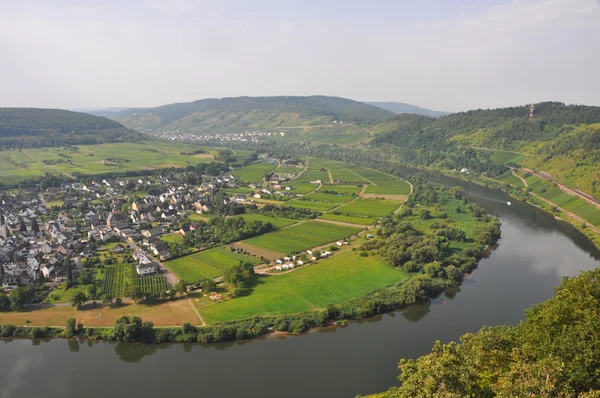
(118, 277)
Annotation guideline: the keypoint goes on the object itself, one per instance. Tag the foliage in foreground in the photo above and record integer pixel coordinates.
(555, 352)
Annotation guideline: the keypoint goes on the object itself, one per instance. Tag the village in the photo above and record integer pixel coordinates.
(50, 236)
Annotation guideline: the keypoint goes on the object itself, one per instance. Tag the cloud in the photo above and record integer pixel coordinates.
(151, 52)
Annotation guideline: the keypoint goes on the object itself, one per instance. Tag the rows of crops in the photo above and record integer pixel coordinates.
(152, 283)
(118, 277)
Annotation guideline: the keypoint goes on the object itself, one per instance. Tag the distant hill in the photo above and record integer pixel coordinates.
(563, 140)
(400, 108)
(50, 127)
(248, 113)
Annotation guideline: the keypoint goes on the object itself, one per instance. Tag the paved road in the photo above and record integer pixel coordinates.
(165, 271)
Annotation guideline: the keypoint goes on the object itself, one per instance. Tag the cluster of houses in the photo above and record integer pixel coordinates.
(245, 137)
(36, 239)
(40, 231)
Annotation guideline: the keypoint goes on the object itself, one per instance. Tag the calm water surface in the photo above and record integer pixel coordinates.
(534, 254)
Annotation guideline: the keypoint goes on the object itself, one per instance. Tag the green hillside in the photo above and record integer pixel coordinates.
(563, 140)
(32, 127)
(247, 113)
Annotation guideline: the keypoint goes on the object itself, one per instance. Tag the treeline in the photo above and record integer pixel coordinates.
(402, 245)
(225, 230)
(289, 212)
(554, 352)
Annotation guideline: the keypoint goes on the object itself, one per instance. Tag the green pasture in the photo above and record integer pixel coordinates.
(301, 237)
(208, 264)
(338, 279)
(369, 207)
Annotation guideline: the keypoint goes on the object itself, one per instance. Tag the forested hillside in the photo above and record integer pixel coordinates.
(31, 127)
(400, 108)
(247, 113)
(563, 140)
(555, 352)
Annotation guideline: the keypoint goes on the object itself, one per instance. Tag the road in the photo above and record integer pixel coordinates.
(565, 211)
(165, 271)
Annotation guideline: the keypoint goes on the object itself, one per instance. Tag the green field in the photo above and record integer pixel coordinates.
(254, 172)
(300, 187)
(393, 187)
(118, 277)
(314, 172)
(172, 238)
(509, 178)
(573, 203)
(348, 219)
(237, 191)
(301, 237)
(208, 264)
(116, 157)
(335, 280)
(343, 189)
(506, 157)
(312, 205)
(278, 222)
(370, 207)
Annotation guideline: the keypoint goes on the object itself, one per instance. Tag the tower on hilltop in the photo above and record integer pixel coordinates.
(531, 109)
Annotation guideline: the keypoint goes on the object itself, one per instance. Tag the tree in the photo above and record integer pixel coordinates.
(35, 226)
(127, 328)
(85, 278)
(69, 274)
(71, 327)
(107, 299)
(181, 287)
(134, 293)
(78, 299)
(208, 285)
(4, 303)
(19, 298)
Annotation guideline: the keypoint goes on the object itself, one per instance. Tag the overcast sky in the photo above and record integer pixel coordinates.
(442, 54)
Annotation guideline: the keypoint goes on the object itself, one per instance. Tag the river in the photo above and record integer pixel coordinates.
(535, 252)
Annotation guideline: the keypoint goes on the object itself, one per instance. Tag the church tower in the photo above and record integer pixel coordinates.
(2, 226)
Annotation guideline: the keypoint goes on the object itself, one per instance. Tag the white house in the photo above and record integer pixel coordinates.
(147, 268)
(46, 271)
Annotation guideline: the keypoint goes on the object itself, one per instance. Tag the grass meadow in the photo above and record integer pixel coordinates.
(301, 237)
(208, 264)
(369, 207)
(340, 278)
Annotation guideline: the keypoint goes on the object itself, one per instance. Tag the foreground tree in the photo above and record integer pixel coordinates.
(134, 293)
(71, 327)
(555, 352)
(78, 299)
(19, 297)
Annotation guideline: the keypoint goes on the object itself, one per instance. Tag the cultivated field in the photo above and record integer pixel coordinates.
(118, 277)
(509, 178)
(506, 157)
(301, 237)
(278, 222)
(254, 172)
(369, 207)
(208, 264)
(347, 219)
(335, 280)
(392, 187)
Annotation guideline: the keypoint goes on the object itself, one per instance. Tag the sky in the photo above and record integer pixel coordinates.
(441, 54)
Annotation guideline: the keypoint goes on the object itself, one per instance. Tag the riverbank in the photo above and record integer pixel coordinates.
(533, 199)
